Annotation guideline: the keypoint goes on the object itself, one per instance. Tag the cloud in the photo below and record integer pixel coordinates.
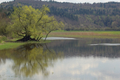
(5, 1)
(72, 69)
(85, 68)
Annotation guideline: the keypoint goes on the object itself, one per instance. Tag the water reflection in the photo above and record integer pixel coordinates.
(83, 48)
(81, 61)
(80, 68)
(85, 62)
(30, 59)
(106, 44)
(59, 38)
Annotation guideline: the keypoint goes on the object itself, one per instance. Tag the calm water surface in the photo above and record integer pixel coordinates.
(81, 59)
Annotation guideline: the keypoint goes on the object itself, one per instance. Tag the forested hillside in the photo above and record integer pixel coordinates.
(80, 16)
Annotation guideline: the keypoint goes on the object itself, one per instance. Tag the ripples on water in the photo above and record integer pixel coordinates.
(82, 59)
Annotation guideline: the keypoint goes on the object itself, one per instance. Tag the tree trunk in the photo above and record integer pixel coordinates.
(26, 38)
(47, 36)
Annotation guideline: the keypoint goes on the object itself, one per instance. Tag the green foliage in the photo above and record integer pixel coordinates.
(63, 13)
(0, 40)
(4, 38)
(4, 30)
(84, 16)
(27, 21)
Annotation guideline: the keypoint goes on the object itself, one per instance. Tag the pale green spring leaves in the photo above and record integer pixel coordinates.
(28, 21)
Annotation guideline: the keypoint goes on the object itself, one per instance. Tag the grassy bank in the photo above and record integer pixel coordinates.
(10, 45)
(86, 34)
(74, 34)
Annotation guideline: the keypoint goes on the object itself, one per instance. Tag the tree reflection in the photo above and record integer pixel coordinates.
(2, 56)
(82, 48)
(30, 59)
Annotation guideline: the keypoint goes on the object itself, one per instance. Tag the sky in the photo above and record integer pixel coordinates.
(76, 1)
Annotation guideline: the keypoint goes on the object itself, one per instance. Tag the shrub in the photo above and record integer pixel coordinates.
(0, 41)
(3, 38)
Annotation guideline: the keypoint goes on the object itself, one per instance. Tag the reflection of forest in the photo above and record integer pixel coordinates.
(30, 59)
(82, 48)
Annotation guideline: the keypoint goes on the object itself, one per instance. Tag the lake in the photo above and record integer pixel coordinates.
(63, 59)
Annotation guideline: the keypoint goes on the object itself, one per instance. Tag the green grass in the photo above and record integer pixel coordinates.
(62, 33)
(86, 34)
(110, 32)
(8, 45)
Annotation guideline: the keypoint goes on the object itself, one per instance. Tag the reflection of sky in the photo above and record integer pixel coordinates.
(78, 68)
(86, 69)
(5, 70)
(106, 44)
(58, 38)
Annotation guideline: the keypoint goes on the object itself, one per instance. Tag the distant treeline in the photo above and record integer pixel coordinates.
(93, 29)
(81, 16)
(62, 13)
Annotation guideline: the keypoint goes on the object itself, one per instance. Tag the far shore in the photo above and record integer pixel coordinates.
(68, 34)
(86, 34)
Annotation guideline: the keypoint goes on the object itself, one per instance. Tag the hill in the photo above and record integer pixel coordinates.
(80, 16)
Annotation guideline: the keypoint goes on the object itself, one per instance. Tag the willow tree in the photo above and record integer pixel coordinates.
(30, 22)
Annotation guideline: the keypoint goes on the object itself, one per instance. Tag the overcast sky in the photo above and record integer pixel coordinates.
(76, 1)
